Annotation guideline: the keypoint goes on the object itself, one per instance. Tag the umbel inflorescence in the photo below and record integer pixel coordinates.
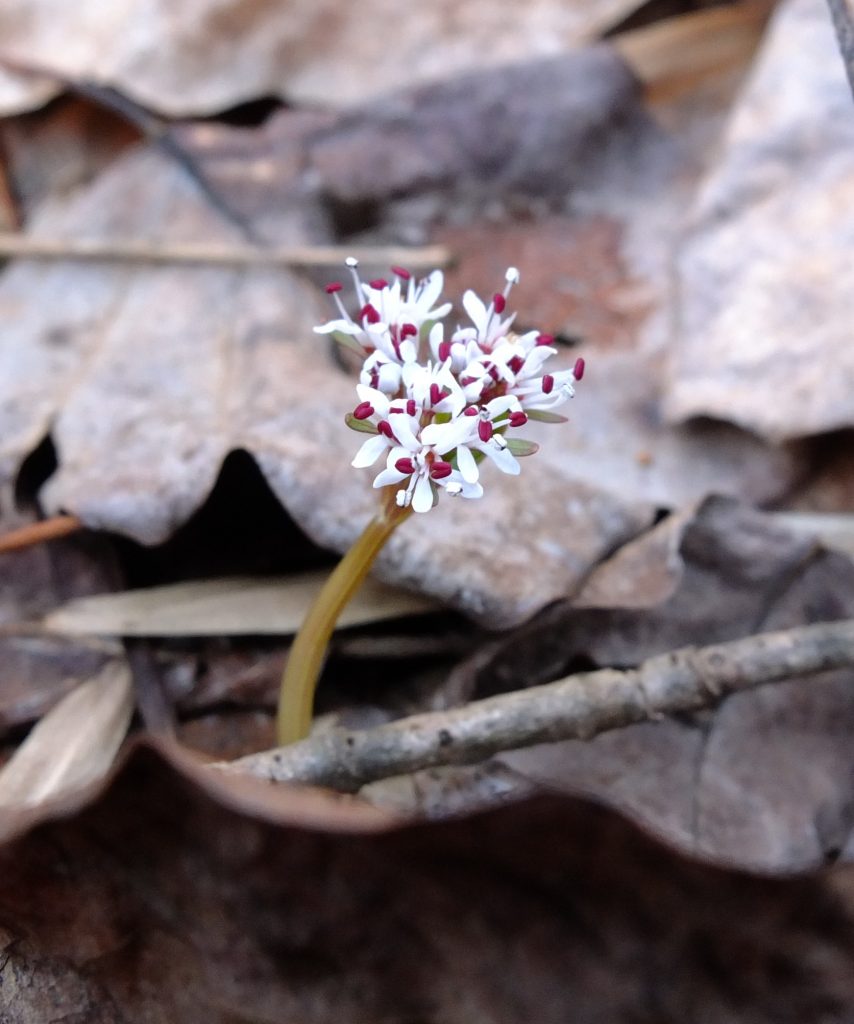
(436, 406)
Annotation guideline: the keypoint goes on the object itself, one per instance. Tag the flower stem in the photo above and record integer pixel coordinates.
(305, 660)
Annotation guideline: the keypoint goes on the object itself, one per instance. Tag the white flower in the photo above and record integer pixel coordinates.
(550, 390)
(488, 327)
(436, 407)
(388, 326)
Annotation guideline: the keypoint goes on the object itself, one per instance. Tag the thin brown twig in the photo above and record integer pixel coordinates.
(36, 533)
(207, 254)
(578, 707)
(8, 199)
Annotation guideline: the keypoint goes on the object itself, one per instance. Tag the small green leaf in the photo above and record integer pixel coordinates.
(519, 447)
(544, 416)
(363, 426)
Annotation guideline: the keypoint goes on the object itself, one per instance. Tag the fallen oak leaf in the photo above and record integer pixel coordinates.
(255, 902)
(763, 306)
(224, 54)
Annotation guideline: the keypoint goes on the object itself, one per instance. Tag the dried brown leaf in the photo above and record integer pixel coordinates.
(268, 904)
(74, 744)
(36, 670)
(763, 336)
(217, 369)
(764, 780)
(226, 607)
(209, 56)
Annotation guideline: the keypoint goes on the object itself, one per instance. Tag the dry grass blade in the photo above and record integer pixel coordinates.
(230, 607)
(207, 254)
(74, 744)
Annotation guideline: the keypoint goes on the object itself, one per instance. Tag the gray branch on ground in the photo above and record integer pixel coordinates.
(577, 707)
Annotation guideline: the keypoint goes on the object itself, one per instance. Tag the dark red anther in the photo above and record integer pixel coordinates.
(439, 470)
(498, 302)
(401, 272)
(384, 427)
(363, 411)
(518, 419)
(545, 339)
(471, 411)
(578, 370)
(548, 383)
(408, 331)
(516, 363)
(379, 283)
(405, 466)
(435, 394)
(445, 351)
(396, 411)
(335, 286)
(484, 430)
(493, 371)
(411, 407)
(369, 313)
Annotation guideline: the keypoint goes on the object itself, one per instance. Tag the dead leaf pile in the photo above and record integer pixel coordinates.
(678, 200)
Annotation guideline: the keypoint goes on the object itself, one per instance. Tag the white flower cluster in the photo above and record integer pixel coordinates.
(436, 406)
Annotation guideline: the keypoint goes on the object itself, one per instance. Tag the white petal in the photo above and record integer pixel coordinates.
(502, 404)
(389, 377)
(502, 458)
(475, 309)
(408, 351)
(445, 436)
(344, 326)
(430, 290)
(467, 464)
(370, 451)
(401, 424)
(472, 491)
(376, 398)
(437, 336)
(388, 476)
(422, 499)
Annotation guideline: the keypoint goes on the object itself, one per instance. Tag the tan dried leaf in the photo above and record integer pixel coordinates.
(74, 745)
(763, 334)
(227, 607)
(249, 902)
(206, 56)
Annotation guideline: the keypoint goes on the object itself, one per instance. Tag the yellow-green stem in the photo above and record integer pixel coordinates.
(305, 660)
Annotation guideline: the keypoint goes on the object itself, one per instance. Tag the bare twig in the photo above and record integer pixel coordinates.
(35, 533)
(157, 130)
(578, 707)
(206, 254)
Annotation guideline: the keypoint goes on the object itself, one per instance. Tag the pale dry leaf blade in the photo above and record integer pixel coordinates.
(210, 55)
(74, 744)
(763, 307)
(225, 607)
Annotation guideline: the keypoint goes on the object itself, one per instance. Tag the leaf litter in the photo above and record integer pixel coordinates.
(253, 902)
